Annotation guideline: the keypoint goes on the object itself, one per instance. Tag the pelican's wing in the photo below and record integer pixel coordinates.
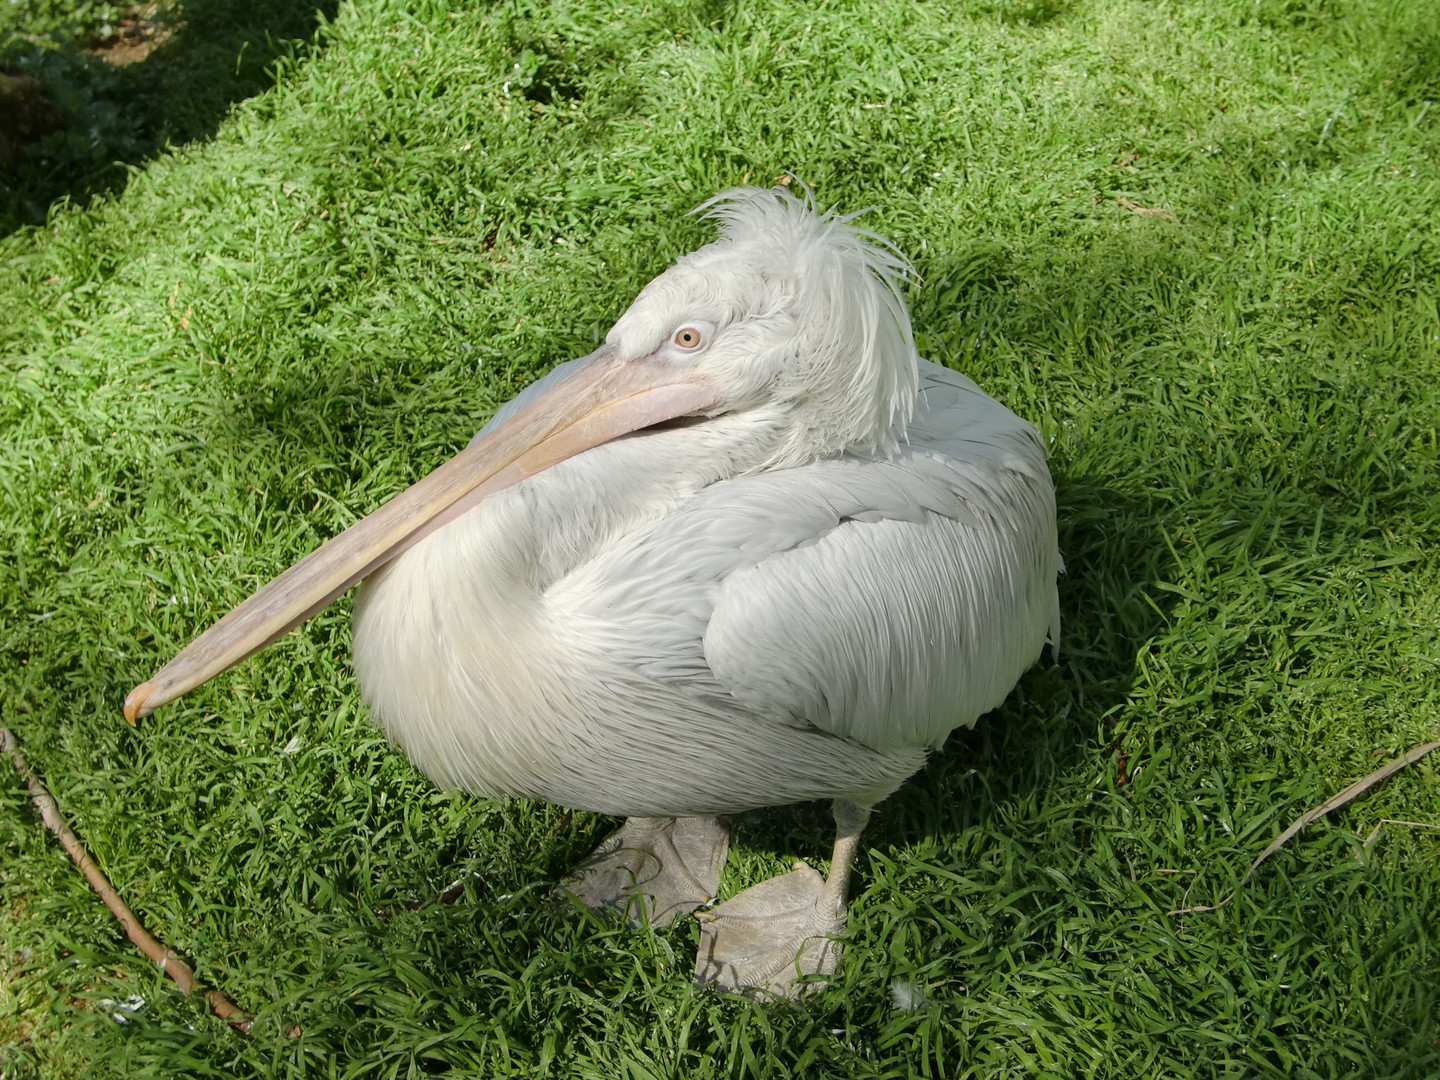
(884, 601)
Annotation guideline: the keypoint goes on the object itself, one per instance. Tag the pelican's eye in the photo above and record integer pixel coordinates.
(688, 337)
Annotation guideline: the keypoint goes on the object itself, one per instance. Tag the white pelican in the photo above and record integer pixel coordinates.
(751, 551)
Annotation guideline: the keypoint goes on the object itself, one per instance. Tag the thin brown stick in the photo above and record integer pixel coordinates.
(1359, 787)
(165, 958)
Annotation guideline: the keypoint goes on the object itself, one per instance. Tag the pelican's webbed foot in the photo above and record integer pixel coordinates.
(654, 869)
(767, 939)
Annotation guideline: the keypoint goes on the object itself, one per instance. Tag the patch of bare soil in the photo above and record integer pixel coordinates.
(133, 37)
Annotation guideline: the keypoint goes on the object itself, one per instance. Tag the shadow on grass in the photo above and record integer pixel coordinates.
(113, 96)
(1060, 713)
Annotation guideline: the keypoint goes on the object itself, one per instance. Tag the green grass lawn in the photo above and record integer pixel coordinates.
(1197, 242)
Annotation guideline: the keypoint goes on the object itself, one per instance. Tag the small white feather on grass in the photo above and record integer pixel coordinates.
(909, 996)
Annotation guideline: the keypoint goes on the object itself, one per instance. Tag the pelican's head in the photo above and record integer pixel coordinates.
(790, 310)
(792, 315)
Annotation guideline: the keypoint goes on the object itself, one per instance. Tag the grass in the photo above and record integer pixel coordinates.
(128, 79)
(1195, 242)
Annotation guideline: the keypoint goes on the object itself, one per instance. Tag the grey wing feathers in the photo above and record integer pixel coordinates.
(883, 601)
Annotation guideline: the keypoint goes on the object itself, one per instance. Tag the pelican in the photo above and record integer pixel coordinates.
(751, 551)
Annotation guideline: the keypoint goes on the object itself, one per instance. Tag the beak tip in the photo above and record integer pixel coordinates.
(135, 702)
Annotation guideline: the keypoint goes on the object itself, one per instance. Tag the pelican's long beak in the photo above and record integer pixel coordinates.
(603, 398)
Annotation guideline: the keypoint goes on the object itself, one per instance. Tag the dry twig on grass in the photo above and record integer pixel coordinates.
(1359, 787)
(156, 950)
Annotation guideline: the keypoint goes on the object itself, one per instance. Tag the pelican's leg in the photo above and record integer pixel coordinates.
(769, 936)
(654, 869)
